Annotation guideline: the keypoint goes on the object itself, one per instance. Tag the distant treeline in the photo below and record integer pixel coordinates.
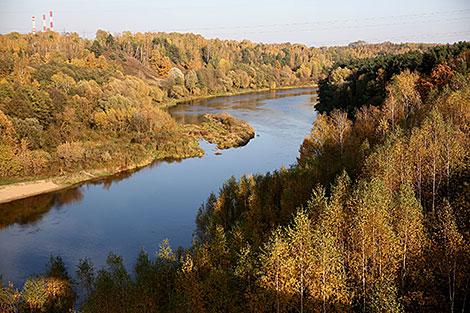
(69, 104)
(356, 82)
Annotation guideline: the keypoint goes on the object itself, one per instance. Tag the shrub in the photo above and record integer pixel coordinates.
(70, 153)
(10, 166)
(47, 294)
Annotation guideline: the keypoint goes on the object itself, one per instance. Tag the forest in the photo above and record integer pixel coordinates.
(72, 107)
(374, 217)
(356, 82)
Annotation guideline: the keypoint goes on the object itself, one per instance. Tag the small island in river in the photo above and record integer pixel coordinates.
(224, 130)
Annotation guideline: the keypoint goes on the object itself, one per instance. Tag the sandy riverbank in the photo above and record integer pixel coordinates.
(27, 189)
(21, 190)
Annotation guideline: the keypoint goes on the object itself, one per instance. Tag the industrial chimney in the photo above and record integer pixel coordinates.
(33, 25)
(51, 28)
(44, 22)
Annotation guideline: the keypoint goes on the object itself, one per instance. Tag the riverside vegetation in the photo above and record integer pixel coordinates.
(374, 217)
(224, 130)
(70, 105)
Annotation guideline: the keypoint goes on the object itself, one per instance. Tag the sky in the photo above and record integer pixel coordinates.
(310, 22)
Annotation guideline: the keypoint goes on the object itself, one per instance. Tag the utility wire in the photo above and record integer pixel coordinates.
(349, 27)
(334, 21)
(338, 24)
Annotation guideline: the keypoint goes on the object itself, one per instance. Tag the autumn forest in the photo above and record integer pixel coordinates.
(373, 217)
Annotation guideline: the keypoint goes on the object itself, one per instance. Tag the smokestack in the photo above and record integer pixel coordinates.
(44, 22)
(33, 25)
(51, 28)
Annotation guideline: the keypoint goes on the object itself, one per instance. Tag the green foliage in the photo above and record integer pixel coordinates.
(225, 130)
(79, 105)
(369, 240)
(362, 82)
(383, 298)
(49, 293)
(9, 299)
(85, 275)
(371, 219)
(56, 268)
(9, 165)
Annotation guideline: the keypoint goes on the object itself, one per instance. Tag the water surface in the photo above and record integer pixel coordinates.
(127, 212)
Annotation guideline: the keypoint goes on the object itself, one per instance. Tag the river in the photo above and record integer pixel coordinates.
(136, 210)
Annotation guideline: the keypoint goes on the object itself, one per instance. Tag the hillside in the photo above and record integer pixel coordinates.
(69, 105)
(374, 217)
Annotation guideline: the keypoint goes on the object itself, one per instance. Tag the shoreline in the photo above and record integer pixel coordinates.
(29, 188)
(230, 94)
(17, 191)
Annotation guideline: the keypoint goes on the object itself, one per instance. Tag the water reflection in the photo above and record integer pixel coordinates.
(192, 112)
(30, 210)
(131, 210)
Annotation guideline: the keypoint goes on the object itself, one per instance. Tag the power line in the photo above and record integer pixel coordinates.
(338, 24)
(334, 21)
(349, 27)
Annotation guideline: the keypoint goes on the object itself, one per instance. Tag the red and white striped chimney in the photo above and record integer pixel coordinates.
(33, 25)
(44, 22)
(51, 28)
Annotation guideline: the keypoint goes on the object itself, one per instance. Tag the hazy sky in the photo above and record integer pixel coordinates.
(312, 22)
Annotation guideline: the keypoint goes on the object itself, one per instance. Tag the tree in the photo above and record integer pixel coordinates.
(276, 269)
(433, 128)
(453, 254)
(206, 54)
(9, 299)
(418, 155)
(166, 267)
(50, 293)
(191, 80)
(7, 131)
(384, 298)
(146, 283)
(176, 75)
(112, 288)
(47, 294)
(374, 256)
(402, 97)
(339, 211)
(31, 130)
(63, 82)
(10, 166)
(342, 125)
(329, 283)
(189, 285)
(409, 227)
(86, 276)
(300, 240)
(70, 153)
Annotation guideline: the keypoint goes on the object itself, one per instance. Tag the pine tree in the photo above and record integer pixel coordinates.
(166, 272)
(188, 285)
